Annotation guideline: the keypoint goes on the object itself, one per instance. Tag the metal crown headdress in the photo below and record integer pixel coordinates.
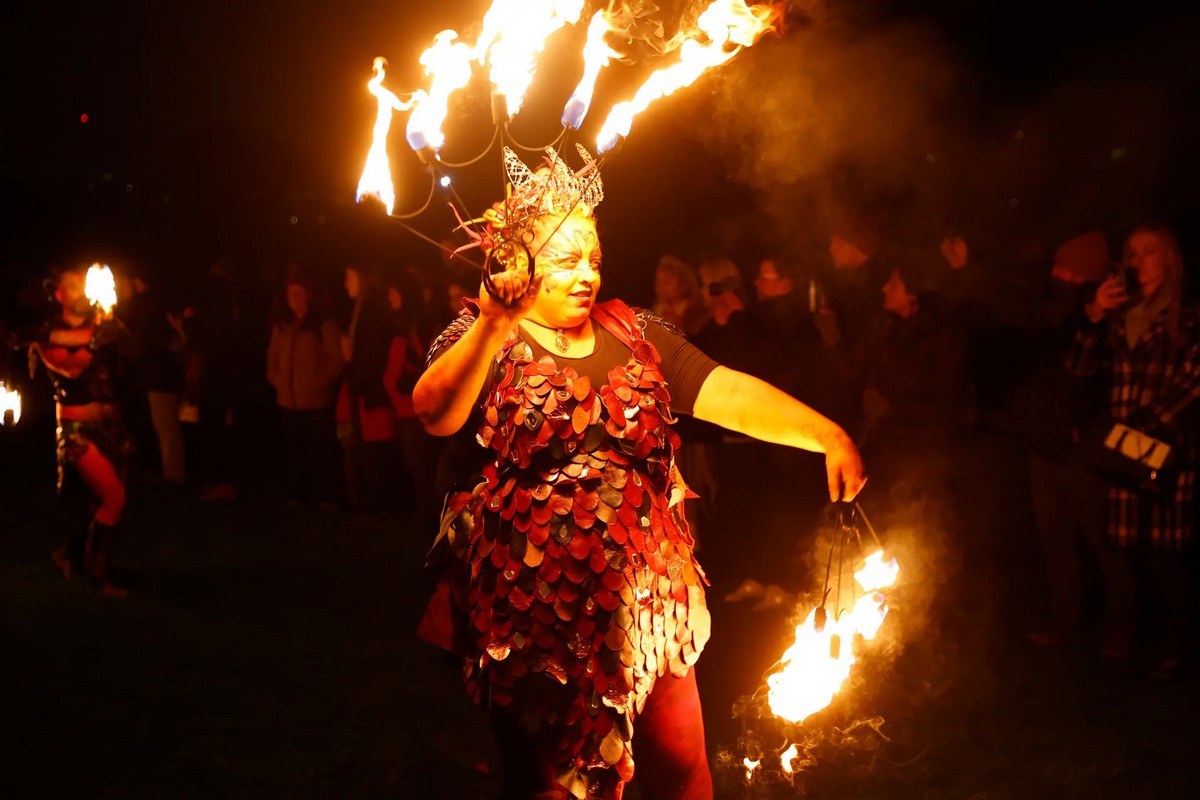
(554, 188)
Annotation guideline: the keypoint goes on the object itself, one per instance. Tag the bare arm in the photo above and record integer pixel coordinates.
(447, 390)
(745, 404)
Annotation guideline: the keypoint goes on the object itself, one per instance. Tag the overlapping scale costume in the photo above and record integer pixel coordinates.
(573, 576)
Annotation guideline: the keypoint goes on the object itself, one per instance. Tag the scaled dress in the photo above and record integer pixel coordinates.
(570, 569)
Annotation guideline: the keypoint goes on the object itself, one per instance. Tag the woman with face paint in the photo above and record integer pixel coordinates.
(574, 595)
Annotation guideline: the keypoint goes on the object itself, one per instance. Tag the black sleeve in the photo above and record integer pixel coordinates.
(684, 365)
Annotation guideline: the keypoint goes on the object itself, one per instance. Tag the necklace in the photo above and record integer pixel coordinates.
(560, 338)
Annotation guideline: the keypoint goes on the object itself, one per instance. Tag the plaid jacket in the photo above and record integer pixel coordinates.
(1159, 381)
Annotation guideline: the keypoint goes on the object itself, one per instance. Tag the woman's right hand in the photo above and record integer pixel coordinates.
(514, 296)
(1110, 295)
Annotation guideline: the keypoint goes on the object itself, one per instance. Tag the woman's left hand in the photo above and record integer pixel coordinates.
(844, 467)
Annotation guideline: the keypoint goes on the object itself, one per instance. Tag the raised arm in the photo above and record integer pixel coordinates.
(447, 390)
(745, 404)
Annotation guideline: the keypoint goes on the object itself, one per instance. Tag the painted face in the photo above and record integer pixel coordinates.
(297, 299)
(896, 297)
(570, 266)
(1144, 252)
(71, 293)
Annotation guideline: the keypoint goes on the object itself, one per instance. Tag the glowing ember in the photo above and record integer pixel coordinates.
(376, 178)
(448, 64)
(10, 400)
(728, 25)
(100, 287)
(595, 58)
(789, 755)
(818, 663)
(514, 33)
(750, 767)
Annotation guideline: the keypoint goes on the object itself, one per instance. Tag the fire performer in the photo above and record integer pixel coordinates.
(574, 595)
(82, 348)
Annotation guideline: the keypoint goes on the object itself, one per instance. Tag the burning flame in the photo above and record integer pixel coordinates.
(595, 58)
(729, 25)
(789, 755)
(100, 287)
(514, 33)
(10, 400)
(818, 663)
(448, 64)
(376, 178)
(750, 767)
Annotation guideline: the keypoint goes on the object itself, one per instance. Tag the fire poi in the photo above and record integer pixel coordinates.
(817, 665)
(10, 405)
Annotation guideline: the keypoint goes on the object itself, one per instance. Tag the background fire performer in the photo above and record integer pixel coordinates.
(82, 348)
(579, 606)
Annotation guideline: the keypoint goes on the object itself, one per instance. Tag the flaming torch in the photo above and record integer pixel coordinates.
(596, 54)
(101, 288)
(376, 180)
(727, 25)
(448, 64)
(10, 404)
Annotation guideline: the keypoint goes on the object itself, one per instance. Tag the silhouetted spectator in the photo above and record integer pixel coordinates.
(304, 362)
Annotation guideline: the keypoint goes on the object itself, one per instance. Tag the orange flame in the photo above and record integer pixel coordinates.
(789, 755)
(100, 287)
(514, 34)
(750, 767)
(818, 663)
(728, 25)
(10, 400)
(596, 54)
(448, 64)
(376, 177)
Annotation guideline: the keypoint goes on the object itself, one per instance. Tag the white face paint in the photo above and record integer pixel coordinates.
(570, 266)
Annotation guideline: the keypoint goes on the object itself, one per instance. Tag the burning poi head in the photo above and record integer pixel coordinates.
(10, 405)
(101, 288)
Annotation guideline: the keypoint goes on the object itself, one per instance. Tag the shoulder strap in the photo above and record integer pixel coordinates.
(620, 320)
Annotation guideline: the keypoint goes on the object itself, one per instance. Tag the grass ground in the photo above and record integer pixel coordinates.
(268, 653)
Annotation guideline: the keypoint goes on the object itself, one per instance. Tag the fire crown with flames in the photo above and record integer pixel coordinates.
(513, 34)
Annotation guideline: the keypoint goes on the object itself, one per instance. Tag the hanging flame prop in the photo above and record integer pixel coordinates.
(376, 180)
(10, 401)
(100, 287)
(818, 663)
(728, 25)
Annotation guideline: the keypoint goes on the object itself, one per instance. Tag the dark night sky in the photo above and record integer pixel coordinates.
(266, 100)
